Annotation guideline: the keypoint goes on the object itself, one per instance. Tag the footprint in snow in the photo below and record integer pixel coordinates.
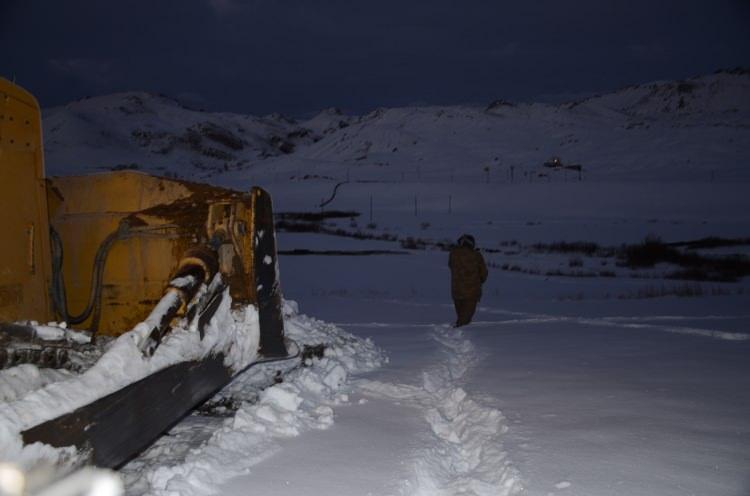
(563, 485)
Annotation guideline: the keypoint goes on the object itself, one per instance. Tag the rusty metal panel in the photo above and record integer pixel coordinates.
(164, 218)
(137, 268)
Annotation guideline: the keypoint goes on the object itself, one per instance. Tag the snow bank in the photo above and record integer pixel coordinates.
(234, 333)
(18, 381)
(303, 401)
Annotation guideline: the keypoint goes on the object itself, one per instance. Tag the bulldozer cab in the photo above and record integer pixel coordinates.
(25, 253)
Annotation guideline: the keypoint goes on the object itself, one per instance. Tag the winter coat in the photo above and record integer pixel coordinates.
(468, 273)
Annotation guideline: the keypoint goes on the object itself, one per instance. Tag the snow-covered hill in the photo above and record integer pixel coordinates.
(155, 133)
(677, 130)
(683, 130)
(329, 121)
(722, 98)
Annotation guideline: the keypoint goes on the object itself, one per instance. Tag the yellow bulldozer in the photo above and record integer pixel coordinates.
(106, 251)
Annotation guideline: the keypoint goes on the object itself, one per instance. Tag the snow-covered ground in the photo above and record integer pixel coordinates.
(562, 385)
(231, 446)
(600, 396)
(540, 395)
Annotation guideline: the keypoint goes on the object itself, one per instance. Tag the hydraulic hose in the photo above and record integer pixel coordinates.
(93, 306)
(59, 296)
(57, 288)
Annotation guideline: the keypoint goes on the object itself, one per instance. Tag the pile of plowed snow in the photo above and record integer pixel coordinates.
(32, 396)
(304, 400)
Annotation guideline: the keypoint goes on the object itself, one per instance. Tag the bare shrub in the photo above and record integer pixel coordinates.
(575, 262)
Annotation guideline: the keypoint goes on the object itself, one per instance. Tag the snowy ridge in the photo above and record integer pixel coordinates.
(139, 130)
(668, 130)
(678, 129)
(468, 456)
(303, 401)
(722, 96)
(631, 130)
(328, 121)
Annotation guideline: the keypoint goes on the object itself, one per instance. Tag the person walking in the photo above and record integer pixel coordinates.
(468, 273)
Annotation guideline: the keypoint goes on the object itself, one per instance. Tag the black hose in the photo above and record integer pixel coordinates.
(94, 305)
(57, 288)
(95, 299)
(59, 296)
(279, 359)
(273, 359)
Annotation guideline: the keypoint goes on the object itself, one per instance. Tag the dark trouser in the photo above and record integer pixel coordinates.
(465, 309)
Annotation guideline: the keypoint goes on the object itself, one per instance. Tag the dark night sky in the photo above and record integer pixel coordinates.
(295, 56)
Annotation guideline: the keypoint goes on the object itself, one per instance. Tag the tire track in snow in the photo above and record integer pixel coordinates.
(466, 456)
(621, 322)
(639, 322)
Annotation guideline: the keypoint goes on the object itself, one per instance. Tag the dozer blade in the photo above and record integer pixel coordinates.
(117, 427)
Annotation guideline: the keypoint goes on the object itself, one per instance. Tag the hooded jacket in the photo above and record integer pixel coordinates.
(468, 273)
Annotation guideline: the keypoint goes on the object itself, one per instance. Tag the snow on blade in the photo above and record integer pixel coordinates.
(15, 382)
(235, 333)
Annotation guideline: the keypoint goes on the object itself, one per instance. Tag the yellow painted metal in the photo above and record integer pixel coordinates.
(24, 253)
(136, 268)
(164, 218)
